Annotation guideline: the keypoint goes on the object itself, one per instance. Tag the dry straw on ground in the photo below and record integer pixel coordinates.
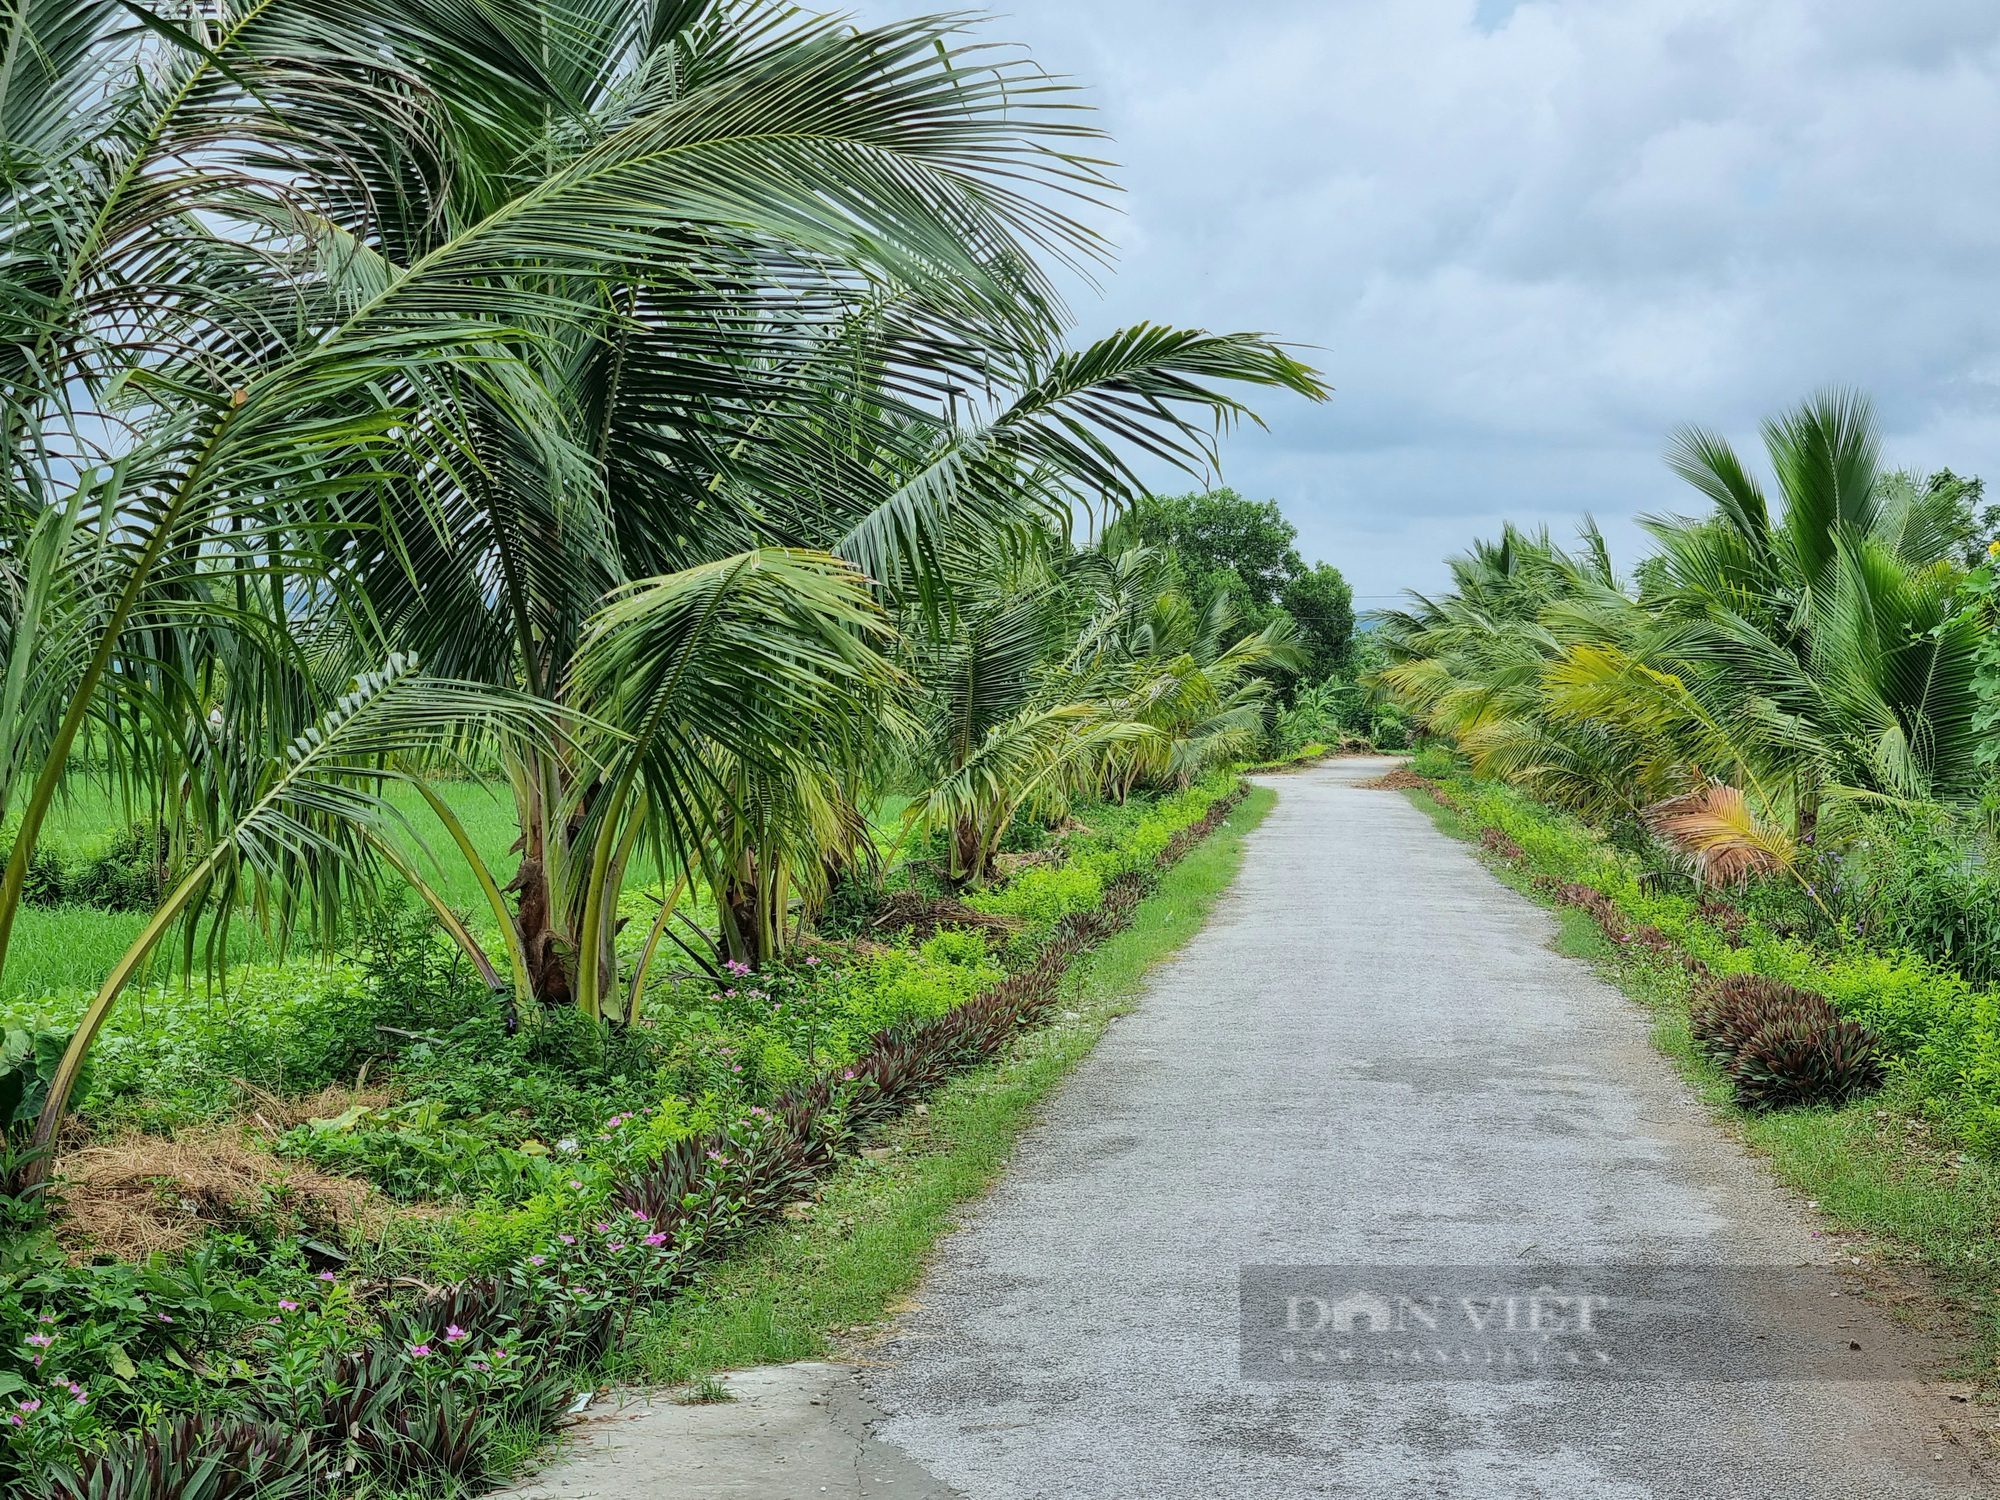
(136, 1194)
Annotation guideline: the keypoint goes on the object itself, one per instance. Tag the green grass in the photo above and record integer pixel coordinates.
(801, 1284)
(60, 948)
(1878, 1173)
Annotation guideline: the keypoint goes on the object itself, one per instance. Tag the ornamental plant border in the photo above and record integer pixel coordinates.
(814, 1126)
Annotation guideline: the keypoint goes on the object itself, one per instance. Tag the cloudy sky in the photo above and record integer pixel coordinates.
(1529, 237)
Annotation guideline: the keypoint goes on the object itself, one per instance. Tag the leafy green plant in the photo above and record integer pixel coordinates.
(1726, 1014)
(1921, 880)
(28, 1062)
(1805, 1059)
(196, 1457)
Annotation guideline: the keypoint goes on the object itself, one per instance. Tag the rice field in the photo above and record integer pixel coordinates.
(58, 952)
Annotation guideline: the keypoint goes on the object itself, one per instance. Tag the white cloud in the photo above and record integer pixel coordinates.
(1530, 239)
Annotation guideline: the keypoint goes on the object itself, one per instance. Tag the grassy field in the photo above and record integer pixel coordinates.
(800, 1287)
(61, 950)
(64, 949)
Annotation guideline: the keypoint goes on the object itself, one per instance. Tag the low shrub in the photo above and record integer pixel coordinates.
(1727, 1013)
(133, 871)
(1805, 1059)
(198, 1457)
(1924, 882)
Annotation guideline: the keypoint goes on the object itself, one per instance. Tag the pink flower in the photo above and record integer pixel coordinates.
(575, 1185)
(604, 1229)
(656, 1239)
(567, 1239)
(28, 1406)
(738, 969)
(849, 1074)
(284, 1306)
(40, 1340)
(812, 962)
(420, 1351)
(326, 1276)
(614, 1249)
(164, 1317)
(453, 1334)
(538, 1260)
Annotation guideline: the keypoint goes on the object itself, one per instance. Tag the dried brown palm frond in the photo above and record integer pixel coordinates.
(1723, 837)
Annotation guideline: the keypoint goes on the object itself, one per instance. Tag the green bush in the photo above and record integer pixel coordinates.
(174, 1054)
(133, 871)
(1045, 894)
(1921, 881)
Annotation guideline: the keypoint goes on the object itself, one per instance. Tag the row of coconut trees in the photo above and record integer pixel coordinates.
(666, 401)
(1787, 659)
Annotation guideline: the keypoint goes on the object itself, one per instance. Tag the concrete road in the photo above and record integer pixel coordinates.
(1371, 1055)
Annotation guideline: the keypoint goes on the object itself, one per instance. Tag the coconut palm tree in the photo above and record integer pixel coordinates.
(1778, 660)
(348, 326)
(1831, 640)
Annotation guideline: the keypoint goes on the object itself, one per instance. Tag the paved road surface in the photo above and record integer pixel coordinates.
(1371, 1055)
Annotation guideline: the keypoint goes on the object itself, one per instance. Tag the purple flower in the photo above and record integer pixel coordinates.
(656, 1239)
(164, 1317)
(326, 1276)
(614, 1249)
(604, 1229)
(40, 1340)
(738, 969)
(27, 1406)
(567, 1239)
(420, 1351)
(284, 1306)
(453, 1334)
(538, 1260)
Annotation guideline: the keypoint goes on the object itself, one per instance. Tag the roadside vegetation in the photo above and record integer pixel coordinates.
(1760, 773)
(576, 641)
